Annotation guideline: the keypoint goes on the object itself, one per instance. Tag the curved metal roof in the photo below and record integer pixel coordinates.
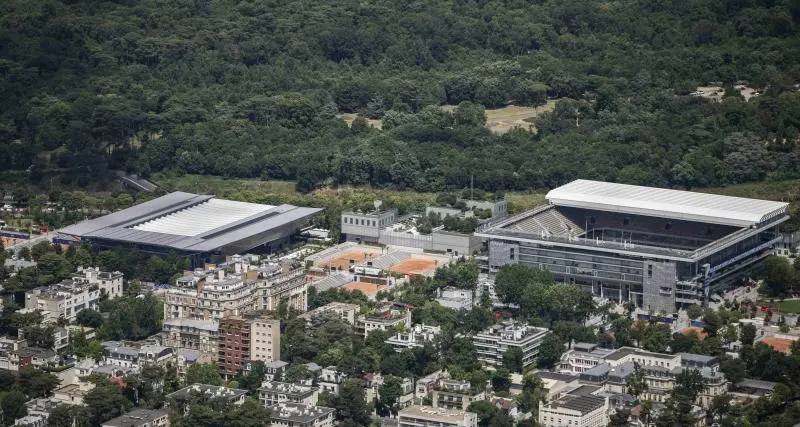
(665, 203)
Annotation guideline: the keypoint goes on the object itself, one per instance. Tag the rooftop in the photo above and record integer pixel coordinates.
(298, 413)
(666, 203)
(285, 388)
(756, 384)
(431, 413)
(208, 325)
(207, 390)
(623, 352)
(191, 223)
(582, 404)
(136, 417)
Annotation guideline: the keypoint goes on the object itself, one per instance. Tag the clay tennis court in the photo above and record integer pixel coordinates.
(368, 289)
(8, 241)
(415, 265)
(778, 344)
(342, 262)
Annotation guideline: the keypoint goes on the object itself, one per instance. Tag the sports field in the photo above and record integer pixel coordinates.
(368, 289)
(348, 259)
(415, 266)
(788, 306)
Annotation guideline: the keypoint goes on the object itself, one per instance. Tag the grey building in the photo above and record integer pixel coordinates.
(141, 418)
(657, 247)
(493, 343)
(366, 226)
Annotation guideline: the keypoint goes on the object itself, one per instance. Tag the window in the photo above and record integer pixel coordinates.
(511, 253)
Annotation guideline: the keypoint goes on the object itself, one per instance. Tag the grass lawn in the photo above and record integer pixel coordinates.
(788, 306)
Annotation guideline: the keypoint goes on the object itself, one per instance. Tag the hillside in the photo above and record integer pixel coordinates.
(252, 89)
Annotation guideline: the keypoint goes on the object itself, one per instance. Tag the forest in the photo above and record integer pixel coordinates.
(252, 88)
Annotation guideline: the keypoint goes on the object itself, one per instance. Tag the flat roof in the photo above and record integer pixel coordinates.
(136, 417)
(194, 223)
(433, 414)
(581, 404)
(666, 203)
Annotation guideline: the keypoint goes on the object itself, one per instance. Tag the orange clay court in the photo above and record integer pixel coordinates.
(778, 344)
(415, 265)
(342, 262)
(368, 289)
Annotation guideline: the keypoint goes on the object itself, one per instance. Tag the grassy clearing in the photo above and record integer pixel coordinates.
(787, 191)
(787, 306)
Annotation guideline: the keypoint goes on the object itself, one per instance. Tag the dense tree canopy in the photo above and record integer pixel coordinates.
(251, 89)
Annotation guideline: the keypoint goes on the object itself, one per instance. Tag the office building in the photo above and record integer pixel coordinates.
(657, 247)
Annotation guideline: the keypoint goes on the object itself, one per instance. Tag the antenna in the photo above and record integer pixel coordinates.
(472, 187)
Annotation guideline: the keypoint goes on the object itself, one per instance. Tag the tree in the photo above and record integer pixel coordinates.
(636, 383)
(550, 351)
(694, 311)
(712, 323)
(688, 385)
(619, 418)
(501, 379)
(512, 359)
(390, 392)
(105, 402)
(747, 334)
(65, 416)
(203, 373)
(36, 383)
(89, 317)
(778, 274)
(489, 415)
(13, 405)
(351, 403)
(512, 279)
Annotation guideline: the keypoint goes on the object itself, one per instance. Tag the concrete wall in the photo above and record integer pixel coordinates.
(456, 243)
(658, 286)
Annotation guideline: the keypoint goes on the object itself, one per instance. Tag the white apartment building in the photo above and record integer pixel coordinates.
(389, 318)
(110, 282)
(63, 300)
(455, 298)
(493, 343)
(416, 337)
(331, 380)
(426, 416)
(574, 411)
(275, 392)
(116, 353)
(297, 415)
(282, 282)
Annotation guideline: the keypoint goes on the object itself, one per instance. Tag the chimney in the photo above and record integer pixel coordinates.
(237, 267)
(221, 274)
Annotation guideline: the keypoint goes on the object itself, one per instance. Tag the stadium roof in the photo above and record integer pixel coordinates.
(194, 223)
(660, 202)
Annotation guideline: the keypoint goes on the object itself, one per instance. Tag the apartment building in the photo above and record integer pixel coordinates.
(344, 311)
(426, 416)
(63, 300)
(244, 339)
(274, 393)
(455, 394)
(135, 356)
(416, 337)
(141, 418)
(612, 368)
(493, 343)
(110, 282)
(331, 380)
(298, 415)
(192, 334)
(279, 282)
(387, 318)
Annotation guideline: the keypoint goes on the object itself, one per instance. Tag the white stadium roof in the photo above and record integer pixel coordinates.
(664, 203)
(206, 216)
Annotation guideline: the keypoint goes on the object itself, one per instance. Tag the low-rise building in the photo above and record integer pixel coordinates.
(182, 397)
(493, 343)
(344, 311)
(455, 298)
(415, 337)
(273, 371)
(427, 416)
(72, 394)
(581, 411)
(135, 355)
(110, 282)
(298, 415)
(330, 380)
(274, 392)
(455, 394)
(389, 317)
(141, 418)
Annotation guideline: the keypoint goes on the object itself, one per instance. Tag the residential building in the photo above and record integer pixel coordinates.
(135, 355)
(416, 337)
(660, 248)
(455, 394)
(274, 392)
(344, 311)
(72, 394)
(580, 411)
(141, 418)
(110, 282)
(455, 298)
(427, 416)
(275, 369)
(388, 317)
(426, 384)
(244, 339)
(193, 334)
(297, 415)
(63, 300)
(181, 397)
(612, 368)
(331, 380)
(493, 343)
(282, 282)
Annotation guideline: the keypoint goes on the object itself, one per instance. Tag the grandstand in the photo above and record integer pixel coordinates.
(660, 248)
(199, 226)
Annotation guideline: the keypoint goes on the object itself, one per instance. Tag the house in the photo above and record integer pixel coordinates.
(275, 369)
(274, 392)
(416, 337)
(297, 415)
(330, 380)
(455, 394)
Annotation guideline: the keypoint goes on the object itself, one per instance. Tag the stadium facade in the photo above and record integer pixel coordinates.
(199, 226)
(657, 247)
